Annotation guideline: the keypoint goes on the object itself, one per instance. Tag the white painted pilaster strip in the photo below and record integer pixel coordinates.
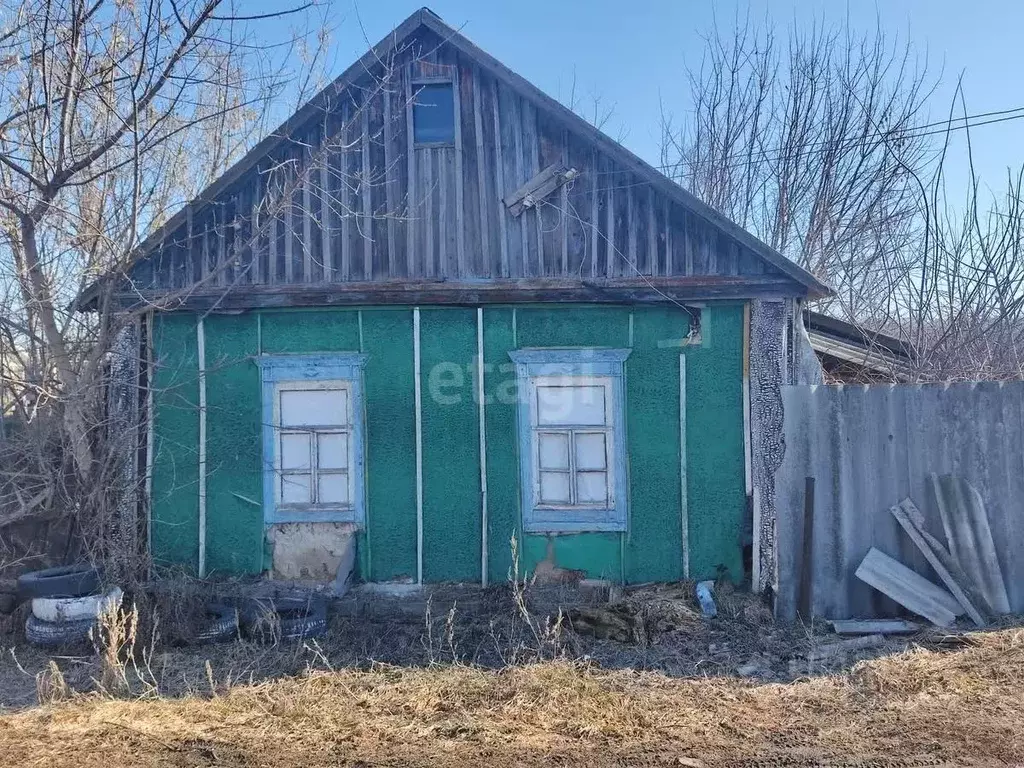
(747, 471)
(419, 442)
(483, 442)
(684, 514)
(201, 354)
(150, 435)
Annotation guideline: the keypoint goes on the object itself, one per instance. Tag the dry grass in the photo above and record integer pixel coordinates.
(959, 706)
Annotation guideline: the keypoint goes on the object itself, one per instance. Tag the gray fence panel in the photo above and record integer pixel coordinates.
(869, 447)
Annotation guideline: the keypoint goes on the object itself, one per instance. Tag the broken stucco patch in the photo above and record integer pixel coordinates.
(313, 552)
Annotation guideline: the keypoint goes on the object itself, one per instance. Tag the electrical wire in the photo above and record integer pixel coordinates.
(951, 125)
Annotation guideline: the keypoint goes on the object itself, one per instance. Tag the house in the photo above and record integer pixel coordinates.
(319, 319)
(851, 353)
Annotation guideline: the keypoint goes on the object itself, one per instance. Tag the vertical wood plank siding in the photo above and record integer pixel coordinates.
(352, 197)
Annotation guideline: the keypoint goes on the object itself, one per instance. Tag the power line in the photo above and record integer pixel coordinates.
(949, 126)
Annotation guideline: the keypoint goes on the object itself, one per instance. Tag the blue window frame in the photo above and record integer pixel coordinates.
(433, 113)
(313, 438)
(572, 439)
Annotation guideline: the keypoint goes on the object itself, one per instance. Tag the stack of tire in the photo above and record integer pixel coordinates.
(66, 602)
(270, 620)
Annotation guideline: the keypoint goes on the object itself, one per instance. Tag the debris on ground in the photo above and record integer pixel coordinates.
(875, 627)
(706, 599)
(911, 521)
(908, 588)
(831, 650)
(966, 564)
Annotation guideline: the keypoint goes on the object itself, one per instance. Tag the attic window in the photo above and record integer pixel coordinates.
(433, 113)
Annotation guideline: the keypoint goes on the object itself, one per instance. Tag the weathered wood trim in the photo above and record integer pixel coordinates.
(390, 204)
(326, 253)
(499, 175)
(669, 261)
(365, 179)
(441, 184)
(481, 172)
(633, 224)
(663, 290)
(255, 232)
(595, 226)
(221, 228)
(413, 202)
(517, 143)
(307, 227)
(289, 236)
(460, 192)
(536, 189)
(563, 206)
(612, 254)
(426, 158)
(520, 89)
(652, 234)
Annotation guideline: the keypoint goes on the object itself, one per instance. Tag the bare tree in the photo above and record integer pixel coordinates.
(111, 116)
(811, 145)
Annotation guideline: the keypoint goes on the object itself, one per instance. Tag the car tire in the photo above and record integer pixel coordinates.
(63, 581)
(53, 634)
(286, 619)
(221, 625)
(61, 609)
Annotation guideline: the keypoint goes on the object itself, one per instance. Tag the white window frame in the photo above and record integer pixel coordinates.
(313, 431)
(570, 431)
(282, 373)
(573, 367)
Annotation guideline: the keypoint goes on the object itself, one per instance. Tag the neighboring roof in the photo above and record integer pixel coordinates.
(857, 346)
(425, 18)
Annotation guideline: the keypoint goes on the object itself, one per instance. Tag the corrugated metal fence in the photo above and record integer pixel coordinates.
(867, 448)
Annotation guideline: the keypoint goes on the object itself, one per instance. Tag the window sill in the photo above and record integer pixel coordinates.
(279, 516)
(434, 145)
(583, 521)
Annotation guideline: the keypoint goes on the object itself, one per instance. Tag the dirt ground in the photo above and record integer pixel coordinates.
(483, 685)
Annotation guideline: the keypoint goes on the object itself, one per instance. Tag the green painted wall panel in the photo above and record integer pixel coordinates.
(175, 483)
(563, 326)
(234, 486)
(654, 541)
(716, 498)
(503, 517)
(451, 454)
(300, 331)
(598, 555)
(391, 444)
(650, 550)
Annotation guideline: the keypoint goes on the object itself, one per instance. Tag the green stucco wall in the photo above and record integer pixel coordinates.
(651, 548)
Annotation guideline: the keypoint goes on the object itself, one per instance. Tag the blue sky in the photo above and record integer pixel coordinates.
(632, 55)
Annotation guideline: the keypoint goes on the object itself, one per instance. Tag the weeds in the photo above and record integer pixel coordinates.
(51, 687)
(125, 667)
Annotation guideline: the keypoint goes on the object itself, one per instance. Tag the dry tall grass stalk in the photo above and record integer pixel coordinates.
(51, 687)
(125, 666)
(927, 707)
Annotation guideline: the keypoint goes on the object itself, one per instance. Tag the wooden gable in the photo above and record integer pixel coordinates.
(526, 202)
